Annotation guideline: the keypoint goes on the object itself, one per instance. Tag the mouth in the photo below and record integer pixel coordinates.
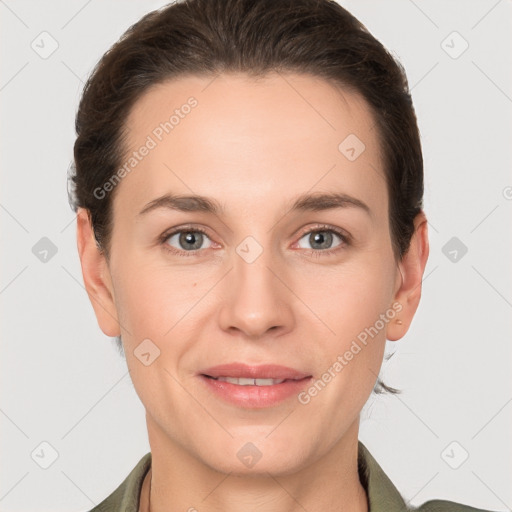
(247, 373)
(247, 381)
(254, 387)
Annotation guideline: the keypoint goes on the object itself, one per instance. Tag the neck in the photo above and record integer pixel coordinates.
(178, 481)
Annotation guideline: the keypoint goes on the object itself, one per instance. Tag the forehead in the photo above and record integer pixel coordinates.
(239, 138)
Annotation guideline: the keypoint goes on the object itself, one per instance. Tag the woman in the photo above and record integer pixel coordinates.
(249, 185)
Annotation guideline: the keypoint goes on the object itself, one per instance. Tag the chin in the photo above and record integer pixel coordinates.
(255, 456)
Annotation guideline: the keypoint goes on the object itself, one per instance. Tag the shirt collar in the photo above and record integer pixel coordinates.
(383, 496)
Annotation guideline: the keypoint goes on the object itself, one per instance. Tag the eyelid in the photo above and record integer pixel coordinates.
(326, 227)
(178, 229)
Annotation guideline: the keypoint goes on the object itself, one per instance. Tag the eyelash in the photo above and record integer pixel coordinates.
(345, 240)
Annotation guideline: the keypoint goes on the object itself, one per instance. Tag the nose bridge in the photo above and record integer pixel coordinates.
(253, 272)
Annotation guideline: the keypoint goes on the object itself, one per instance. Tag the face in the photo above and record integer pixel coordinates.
(288, 261)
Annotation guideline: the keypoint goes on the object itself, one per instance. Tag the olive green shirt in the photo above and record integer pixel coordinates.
(382, 494)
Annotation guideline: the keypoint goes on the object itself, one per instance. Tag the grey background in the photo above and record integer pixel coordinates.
(63, 382)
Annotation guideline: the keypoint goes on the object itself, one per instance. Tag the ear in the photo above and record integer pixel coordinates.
(409, 279)
(96, 276)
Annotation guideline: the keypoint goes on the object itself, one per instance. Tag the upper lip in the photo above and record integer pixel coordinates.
(265, 371)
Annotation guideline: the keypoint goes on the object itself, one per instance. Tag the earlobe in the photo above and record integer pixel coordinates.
(96, 276)
(411, 268)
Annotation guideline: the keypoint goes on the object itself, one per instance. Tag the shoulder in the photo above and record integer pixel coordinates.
(383, 496)
(127, 495)
(447, 506)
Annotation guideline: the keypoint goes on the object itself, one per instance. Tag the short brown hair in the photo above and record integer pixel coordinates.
(208, 37)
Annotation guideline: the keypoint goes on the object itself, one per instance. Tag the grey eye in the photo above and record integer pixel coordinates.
(188, 240)
(320, 239)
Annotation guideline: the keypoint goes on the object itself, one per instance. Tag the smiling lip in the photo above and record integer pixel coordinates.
(265, 371)
(246, 395)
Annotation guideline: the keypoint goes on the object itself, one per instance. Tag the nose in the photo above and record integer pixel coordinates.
(258, 301)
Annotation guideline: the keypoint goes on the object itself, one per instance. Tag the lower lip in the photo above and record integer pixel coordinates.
(255, 397)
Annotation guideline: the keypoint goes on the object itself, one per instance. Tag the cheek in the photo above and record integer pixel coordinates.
(350, 297)
(154, 300)
(139, 297)
(355, 303)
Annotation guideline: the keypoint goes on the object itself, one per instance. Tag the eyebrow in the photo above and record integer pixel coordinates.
(305, 202)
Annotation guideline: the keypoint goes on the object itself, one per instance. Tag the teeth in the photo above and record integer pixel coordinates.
(251, 382)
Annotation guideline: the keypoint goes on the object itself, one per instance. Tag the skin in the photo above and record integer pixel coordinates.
(254, 146)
